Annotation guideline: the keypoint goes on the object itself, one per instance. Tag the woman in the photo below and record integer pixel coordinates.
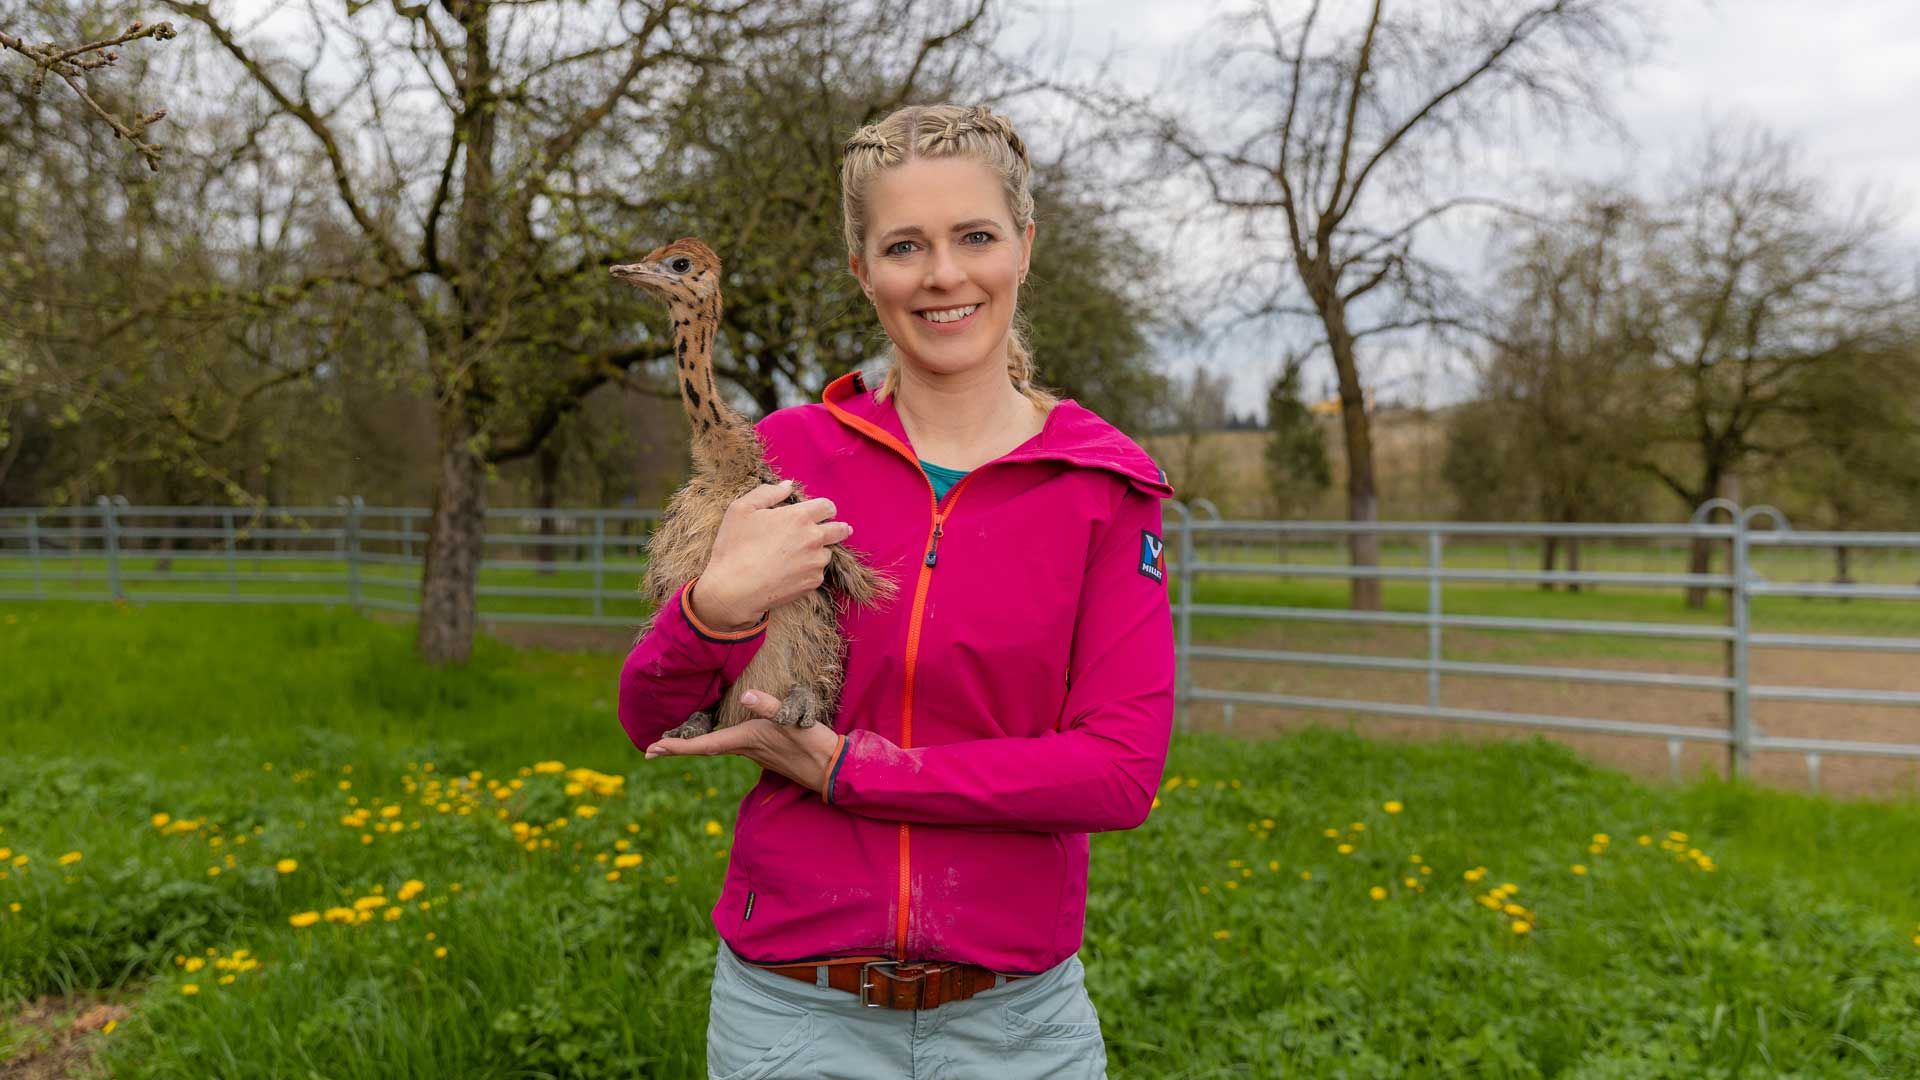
(906, 892)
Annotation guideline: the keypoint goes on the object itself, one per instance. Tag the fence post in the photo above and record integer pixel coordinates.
(33, 554)
(352, 544)
(233, 564)
(110, 530)
(1434, 554)
(1183, 644)
(599, 558)
(1740, 751)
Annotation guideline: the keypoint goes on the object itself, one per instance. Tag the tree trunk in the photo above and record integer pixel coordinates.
(1842, 567)
(1549, 555)
(547, 476)
(454, 543)
(1573, 561)
(1363, 502)
(1699, 561)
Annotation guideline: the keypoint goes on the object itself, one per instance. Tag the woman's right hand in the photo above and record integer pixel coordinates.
(764, 555)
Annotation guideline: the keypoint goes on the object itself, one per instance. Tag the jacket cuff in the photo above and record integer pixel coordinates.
(833, 770)
(721, 637)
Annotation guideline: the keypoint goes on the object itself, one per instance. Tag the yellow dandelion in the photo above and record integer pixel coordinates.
(69, 858)
(1509, 888)
(1273, 865)
(304, 919)
(160, 820)
(226, 980)
(194, 963)
(1643, 841)
(1306, 875)
(1358, 826)
(14, 907)
(1222, 935)
(1378, 892)
(286, 866)
(440, 953)
(213, 871)
(1206, 890)
(1411, 883)
(190, 989)
(1330, 833)
(1345, 849)
(393, 914)
(1522, 926)
(613, 875)
(1266, 823)
(1602, 838)
(1414, 858)
(714, 828)
(1475, 874)
(108, 1029)
(627, 862)
(1392, 806)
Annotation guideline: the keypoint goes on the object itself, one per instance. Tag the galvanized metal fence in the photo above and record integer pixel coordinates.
(582, 566)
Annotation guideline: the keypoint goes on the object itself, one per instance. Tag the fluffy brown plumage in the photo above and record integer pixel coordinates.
(801, 659)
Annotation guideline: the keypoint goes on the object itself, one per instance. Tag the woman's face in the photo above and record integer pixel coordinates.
(943, 262)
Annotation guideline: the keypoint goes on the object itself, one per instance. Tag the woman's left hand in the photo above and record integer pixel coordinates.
(799, 754)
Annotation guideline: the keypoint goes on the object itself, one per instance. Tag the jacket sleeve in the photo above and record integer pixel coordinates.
(678, 666)
(1100, 769)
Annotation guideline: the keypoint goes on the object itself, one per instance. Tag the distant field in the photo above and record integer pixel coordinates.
(1475, 923)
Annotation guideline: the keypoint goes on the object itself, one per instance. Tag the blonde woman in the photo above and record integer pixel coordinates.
(906, 892)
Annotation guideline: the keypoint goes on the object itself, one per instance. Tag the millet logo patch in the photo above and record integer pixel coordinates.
(1153, 556)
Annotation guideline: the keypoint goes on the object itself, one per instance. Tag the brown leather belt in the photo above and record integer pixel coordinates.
(908, 985)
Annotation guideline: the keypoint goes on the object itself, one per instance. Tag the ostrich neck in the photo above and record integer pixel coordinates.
(723, 440)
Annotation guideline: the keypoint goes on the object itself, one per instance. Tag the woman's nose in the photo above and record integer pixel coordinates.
(943, 270)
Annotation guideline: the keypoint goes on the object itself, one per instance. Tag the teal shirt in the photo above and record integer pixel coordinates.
(943, 478)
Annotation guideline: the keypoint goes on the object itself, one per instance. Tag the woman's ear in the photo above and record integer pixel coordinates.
(860, 273)
(1026, 257)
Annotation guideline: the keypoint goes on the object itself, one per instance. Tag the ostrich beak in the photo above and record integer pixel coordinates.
(633, 273)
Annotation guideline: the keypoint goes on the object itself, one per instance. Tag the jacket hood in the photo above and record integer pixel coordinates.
(1072, 433)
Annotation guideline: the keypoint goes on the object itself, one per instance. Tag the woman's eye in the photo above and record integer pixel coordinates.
(984, 237)
(899, 247)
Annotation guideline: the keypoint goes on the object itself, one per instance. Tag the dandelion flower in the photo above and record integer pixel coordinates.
(160, 820)
(190, 989)
(226, 980)
(194, 963)
(304, 919)
(108, 1030)
(1475, 874)
(1378, 892)
(1578, 868)
(69, 858)
(1522, 926)
(613, 875)
(1306, 875)
(1222, 935)
(286, 866)
(1645, 840)
(1330, 833)
(627, 862)
(1602, 838)
(440, 953)
(1392, 806)
(15, 908)
(1358, 826)
(714, 828)
(1345, 849)
(1273, 865)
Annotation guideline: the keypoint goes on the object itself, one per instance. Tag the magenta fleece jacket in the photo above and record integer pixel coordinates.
(1015, 698)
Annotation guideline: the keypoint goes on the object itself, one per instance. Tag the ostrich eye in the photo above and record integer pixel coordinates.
(680, 265)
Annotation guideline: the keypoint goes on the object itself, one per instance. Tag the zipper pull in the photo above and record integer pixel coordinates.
(933, 551)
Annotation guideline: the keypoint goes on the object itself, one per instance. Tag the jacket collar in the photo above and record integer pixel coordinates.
(1072, 433)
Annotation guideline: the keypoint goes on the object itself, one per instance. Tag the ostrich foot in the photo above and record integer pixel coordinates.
(698, 724)
(801, 708)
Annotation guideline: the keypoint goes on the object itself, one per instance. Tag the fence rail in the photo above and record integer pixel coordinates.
(580, 566)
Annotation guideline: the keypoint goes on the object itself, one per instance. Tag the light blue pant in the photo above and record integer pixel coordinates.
(762, 1026)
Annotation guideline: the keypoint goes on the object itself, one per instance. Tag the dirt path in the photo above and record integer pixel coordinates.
(55, 1037)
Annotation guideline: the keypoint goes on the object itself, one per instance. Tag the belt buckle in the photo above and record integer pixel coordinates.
(867, 983)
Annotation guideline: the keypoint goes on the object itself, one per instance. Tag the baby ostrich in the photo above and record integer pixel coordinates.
(800, 660)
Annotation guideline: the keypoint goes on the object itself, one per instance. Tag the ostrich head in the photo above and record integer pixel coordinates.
(685, 274)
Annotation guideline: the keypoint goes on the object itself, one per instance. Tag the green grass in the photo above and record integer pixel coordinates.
(1794, 956)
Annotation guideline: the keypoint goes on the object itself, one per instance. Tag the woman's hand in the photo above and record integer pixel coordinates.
(801, 754)
(764, 555)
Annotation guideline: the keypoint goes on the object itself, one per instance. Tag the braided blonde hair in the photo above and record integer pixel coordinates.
(974, 132)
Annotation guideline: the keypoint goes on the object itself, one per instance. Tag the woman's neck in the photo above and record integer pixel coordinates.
(965, 420)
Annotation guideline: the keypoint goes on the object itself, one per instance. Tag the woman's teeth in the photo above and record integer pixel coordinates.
(949, 314)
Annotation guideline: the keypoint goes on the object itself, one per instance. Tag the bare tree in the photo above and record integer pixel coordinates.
(76, 62)
(1765, 286)
(1331, 175)
(474, 148)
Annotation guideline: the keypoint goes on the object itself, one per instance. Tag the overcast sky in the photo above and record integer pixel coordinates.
(1841, 77)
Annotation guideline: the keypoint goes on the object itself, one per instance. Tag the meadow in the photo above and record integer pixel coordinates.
(265, 841)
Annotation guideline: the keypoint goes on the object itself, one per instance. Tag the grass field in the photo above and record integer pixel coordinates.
(1229, 936)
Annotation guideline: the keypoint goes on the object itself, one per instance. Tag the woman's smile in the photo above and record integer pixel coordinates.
(949, 320)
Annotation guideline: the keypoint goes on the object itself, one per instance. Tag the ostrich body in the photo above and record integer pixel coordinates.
(801, 659)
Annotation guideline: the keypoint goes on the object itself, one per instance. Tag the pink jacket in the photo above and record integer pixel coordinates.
(1016, 697)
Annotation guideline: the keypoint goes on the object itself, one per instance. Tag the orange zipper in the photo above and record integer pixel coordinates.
(927, 563)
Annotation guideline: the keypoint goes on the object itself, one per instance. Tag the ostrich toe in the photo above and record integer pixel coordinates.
(698, 724)
(801, 708)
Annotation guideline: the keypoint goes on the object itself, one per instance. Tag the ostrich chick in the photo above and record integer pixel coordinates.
(801, 659)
